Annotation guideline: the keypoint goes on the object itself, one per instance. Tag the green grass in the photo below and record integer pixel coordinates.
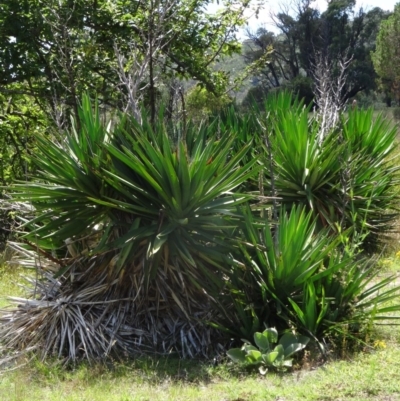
(368, 376)
(9, 277)
(390, 264)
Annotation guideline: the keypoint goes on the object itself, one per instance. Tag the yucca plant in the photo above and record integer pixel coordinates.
(279, 103)
(245, 129)
(135, 232)
(304, 172)
(371, 172)
(292, 275)
(255, 126)
(347, 180)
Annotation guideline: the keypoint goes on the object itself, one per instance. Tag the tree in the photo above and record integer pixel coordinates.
(306, 35)
(386, 58)
(201, 104)
(20, 122)
(122, 52)
(293, 46)
(59, 49)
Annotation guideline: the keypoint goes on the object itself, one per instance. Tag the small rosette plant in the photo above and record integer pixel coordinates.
(269, 352)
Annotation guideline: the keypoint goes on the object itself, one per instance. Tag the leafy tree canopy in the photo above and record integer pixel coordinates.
(386, 58)
(305, 35)
(58, 49)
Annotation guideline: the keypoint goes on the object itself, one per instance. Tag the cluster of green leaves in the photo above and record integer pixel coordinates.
(166, 214)
(293, 275)
(335, 194)
(201, 104)
(21, 121)
(60, 49)
(266, 355)
(347, 179)
(386, 57)
(134, 171)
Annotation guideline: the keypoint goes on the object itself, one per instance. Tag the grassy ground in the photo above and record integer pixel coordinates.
(370, 375)
(9, 284)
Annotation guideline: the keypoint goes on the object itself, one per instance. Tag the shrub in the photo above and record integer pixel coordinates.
(292, 275)
(201, 104)
(135, 231)
(347, 178)
(140, 241)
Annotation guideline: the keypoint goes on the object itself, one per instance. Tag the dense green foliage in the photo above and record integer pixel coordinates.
(152, 239)
(201, 104)
(347, 179)
(63, 48)
(21, 122)
(122, 52)
(269, 353)
(165, 211)
(293, 275)
(386, 58)
(305, 35)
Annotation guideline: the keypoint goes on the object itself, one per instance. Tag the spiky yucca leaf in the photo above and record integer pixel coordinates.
(69, 174)
(187, 200)
(291, 253)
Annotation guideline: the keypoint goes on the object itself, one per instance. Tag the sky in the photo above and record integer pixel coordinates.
(274, 6)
